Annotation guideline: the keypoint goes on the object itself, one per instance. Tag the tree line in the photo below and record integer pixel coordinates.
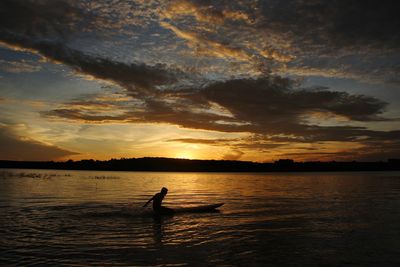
(187, 165)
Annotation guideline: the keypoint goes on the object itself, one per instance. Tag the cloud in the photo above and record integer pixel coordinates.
(136, 77)
(203, 45)
(209, 47)
(271, 106)
(371, 68)
(205, 12)
(54, 19)
(363, 151)
(272, 102)
(17, 148)
(376, 151)
(343, 39)
(352, 39)
(39, 18)
(256, 35)
(221, 30)
(234, 155)
(354, 24)
(18, 66)
(300, 34)
(44, 27)
(202, 141)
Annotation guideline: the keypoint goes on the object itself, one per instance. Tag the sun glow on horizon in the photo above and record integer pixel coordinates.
(185, 155)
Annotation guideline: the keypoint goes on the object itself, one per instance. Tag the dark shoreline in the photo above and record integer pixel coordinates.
(186, 165)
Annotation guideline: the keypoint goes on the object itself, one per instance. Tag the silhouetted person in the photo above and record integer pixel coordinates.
(157, 200)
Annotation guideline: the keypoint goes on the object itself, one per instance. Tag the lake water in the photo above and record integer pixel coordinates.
(79, 218)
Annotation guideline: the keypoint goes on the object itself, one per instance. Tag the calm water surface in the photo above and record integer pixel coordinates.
(79, 218)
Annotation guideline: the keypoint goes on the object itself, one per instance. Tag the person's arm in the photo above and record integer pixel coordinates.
(147, 203)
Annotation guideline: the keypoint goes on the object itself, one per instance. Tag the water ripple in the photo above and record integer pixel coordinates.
(93, 218)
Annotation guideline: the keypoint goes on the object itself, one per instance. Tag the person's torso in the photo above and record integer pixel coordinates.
(157, 200)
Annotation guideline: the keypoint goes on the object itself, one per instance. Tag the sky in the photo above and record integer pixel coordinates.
(256, 80)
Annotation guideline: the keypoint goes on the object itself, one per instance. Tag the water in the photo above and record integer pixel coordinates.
(78, 218)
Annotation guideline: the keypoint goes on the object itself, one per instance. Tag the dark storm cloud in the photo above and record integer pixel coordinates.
(352, 23)
(45, 26)
(15, 148)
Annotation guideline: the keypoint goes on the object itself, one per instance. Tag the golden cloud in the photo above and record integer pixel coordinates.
(208, 46)
(204, 13)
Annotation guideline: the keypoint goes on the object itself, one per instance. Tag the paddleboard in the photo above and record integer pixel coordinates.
(200, 208)
(132, 211)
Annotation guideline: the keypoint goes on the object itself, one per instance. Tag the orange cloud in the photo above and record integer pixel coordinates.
(204, 13)
(207, 46)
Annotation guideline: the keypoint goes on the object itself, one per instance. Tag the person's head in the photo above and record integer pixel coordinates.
(164, 190)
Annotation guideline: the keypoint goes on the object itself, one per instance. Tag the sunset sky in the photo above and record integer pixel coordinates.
(242, 80)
